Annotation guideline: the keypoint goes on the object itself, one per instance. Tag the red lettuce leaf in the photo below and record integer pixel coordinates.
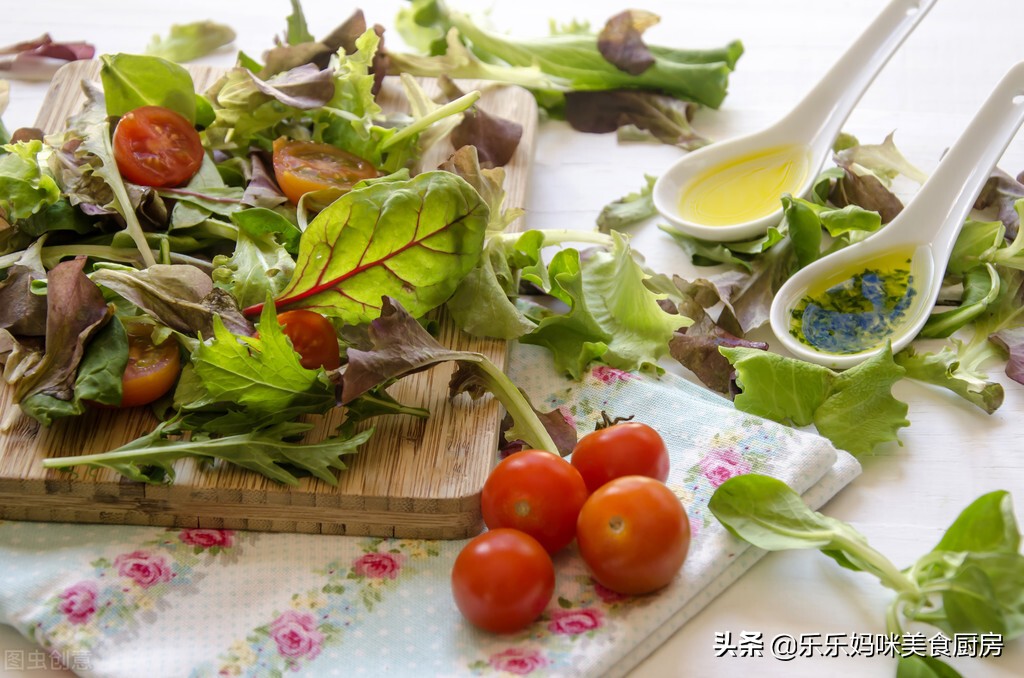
(621, 41)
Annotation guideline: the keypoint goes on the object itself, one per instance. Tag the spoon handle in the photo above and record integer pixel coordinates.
(948, 195)
(832, 100)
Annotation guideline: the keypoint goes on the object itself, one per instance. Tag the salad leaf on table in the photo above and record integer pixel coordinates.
(630, 209)
(971, 582)
(187, 42)
(636, 115)
(39, 59)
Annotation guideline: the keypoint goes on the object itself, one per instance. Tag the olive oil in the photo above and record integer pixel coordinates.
(856, 308)
(746, 188)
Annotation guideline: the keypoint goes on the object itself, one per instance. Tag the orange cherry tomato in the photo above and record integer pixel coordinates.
(502, 580)
(313, 338)
(154, 146)
(152, 368)
(633, 535)
(625, 449)
(301, 167)
(536, 492)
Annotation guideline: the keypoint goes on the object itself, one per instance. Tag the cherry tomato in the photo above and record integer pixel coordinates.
(313, 338)
(301, 167)
(154, 146)
(152, 368)
(626, 449)
(536, 492)
(502, 580)
(633, 535)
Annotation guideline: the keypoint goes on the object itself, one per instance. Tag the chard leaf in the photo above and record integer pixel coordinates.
(988, 525)
(25, 189)
(131, 81)
(75, 311)
(640, 330)
(258, 267)
(187, 42)
(855, 410)
(268, 451)
(414, 239)
(629, 209)
(400, 346)
(261, 375)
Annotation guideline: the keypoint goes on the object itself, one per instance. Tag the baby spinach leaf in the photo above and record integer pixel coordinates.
(987, 525)
(414, 239)
(131, 81)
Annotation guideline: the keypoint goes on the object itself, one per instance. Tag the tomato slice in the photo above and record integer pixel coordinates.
(313, 338)
(154, 146)
(302, 167)
(152, 368)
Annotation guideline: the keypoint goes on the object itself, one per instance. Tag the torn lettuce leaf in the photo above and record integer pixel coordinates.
(187, 42)
(630, 209)
(854, 409)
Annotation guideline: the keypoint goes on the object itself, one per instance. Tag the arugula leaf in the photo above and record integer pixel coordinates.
(150, 458)
(262, 375)
(413, 239)
(855, 410)
(131, 81)
(186, 42)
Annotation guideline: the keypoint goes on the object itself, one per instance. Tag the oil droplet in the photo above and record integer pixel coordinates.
(746, 188)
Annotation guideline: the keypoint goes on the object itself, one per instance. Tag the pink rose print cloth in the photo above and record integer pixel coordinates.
(122, 602)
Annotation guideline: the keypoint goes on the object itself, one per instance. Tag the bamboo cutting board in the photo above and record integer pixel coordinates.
(414, 478)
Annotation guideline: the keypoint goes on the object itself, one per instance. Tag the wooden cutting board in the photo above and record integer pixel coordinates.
(414, 479)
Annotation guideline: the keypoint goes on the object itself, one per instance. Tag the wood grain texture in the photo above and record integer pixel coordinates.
(414, 479)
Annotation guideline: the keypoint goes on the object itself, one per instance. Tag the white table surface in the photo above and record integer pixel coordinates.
(908, 493)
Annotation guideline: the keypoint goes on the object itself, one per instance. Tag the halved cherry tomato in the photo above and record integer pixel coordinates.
(301, 167)
(633, 535)
(625, 449)
(536, 492)
(152, 368)
(154, 146)
(313, 338)
(502, 580)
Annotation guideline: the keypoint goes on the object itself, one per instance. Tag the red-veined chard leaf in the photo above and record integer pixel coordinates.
(412, 240)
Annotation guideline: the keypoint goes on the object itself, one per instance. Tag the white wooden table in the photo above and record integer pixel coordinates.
(908, 494)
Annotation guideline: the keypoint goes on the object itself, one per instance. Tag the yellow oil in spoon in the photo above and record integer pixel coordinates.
(745, 188)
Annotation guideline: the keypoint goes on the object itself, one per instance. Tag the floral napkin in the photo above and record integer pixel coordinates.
(137, 601)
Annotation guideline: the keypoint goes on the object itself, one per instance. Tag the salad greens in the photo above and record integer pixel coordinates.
(186, 42)
(971, 582)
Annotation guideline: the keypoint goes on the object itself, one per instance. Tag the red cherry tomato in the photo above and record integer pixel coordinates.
(633, 535)
(152, 368)
(313, 338)
(536, 492)
(502, 580)
(626, 449)
(301, 167)
(154, 146)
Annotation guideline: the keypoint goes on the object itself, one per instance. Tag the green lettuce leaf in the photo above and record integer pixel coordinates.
(25, 187)
(414, 239)
(629, 209)
(187, 42)
(855, 410)
(258, 267)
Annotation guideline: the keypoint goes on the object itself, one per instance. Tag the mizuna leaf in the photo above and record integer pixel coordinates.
(412, 240)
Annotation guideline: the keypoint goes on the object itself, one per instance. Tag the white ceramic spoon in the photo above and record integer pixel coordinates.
(813, 125)
(928, 227)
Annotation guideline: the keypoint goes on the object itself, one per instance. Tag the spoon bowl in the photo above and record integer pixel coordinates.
(806, 134)
(923, 234)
